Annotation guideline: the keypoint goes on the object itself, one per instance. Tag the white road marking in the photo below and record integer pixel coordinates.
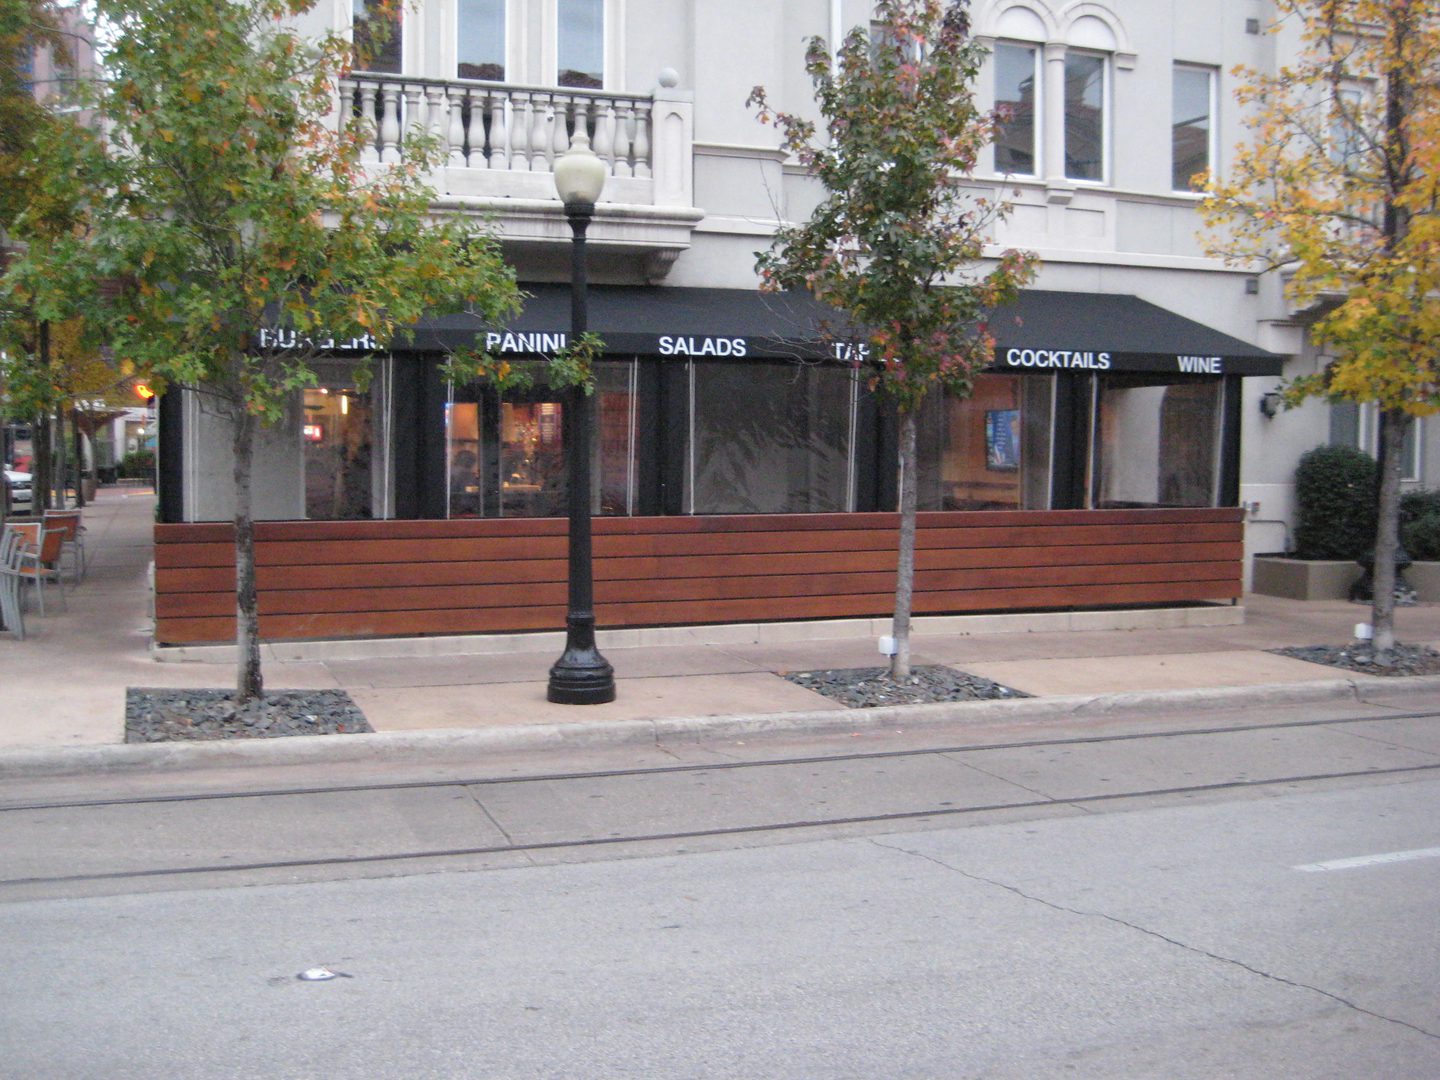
(1371, 860)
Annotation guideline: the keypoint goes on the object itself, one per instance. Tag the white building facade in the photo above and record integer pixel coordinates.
(704, 410)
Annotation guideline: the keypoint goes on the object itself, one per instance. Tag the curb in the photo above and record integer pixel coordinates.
(450, 745)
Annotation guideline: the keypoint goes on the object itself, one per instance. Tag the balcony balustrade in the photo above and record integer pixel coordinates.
(502, 140)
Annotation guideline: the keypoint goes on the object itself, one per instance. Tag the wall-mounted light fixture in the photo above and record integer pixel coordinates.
(1271, 402)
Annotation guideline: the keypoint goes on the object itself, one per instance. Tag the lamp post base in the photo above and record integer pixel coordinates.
(581, 676)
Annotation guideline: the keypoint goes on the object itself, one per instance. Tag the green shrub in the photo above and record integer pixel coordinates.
(1420, 525)
(138, 465)
(1335, 495)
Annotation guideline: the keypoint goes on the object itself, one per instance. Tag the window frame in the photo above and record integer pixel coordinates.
(507, 19)
(400, 40)
(606, 19)
(1367, 438)
(1107, 65)
(1212, 100)
(1038, 125)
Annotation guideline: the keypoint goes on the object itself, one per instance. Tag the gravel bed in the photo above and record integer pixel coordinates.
(164, 715)
(1406, 659)
(868, 688)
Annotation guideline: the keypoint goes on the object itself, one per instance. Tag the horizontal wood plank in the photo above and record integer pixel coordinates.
(357, 579)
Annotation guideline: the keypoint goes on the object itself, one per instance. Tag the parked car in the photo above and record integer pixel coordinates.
(17, 486)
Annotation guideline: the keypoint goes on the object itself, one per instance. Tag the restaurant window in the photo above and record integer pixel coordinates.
(338, 432)
(1016, 85)
(505, 456)
(990, 451)
(1156, 442)
(770, 439)
(480, 40)
(580, 45)
(1085, 124)
(378, 34)
(1192, 125)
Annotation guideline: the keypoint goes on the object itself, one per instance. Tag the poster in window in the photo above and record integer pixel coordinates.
(1002, 440)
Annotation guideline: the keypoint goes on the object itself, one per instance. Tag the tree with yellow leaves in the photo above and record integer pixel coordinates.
(1339, 191)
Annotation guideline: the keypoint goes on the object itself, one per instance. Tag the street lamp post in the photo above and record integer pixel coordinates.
(581, 676)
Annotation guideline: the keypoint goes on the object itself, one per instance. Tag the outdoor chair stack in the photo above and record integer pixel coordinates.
(39, 560)
(11, 547)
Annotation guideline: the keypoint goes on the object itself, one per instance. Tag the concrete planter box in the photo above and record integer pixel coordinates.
(1425, 576)
(1305, 579)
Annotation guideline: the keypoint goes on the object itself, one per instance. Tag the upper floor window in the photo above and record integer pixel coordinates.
(1192, 125)
(378, 35)
(480, 39)
(1085, 123)
(580, 45)
(1016, 85)
(1347, 127)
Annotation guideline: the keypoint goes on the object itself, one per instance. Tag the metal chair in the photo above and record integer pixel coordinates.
(39, 560)
(10, 578)
(73, 545)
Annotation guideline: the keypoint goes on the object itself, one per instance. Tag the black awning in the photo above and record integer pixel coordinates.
(1046, 331)
(1043, 331)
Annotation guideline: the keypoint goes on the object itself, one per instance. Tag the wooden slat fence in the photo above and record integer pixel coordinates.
(350, 579)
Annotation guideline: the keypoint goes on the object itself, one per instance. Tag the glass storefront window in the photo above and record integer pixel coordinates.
(1156, 443)
(770, 438)
(339, 438)
(532, 459)
(463, 457)
(506, 457)
(990, 451)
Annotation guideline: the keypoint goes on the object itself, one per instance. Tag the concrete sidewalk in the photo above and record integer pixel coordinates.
(64, 686)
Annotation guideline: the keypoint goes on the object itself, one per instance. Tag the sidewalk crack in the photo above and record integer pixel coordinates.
(1197, 950)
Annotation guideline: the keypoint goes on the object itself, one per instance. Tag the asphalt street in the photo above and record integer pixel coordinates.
(1254, 899)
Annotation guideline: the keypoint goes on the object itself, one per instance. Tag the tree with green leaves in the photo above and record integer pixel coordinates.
(227, 197)
(896, 244)
(1339, 191)
(27, 28)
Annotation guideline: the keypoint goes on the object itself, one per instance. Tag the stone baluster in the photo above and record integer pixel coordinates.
(520, 132)
(437, 111)
(455, 102)
(414, 119)
(624, 122)
(604, 142)
(540, 133)
(499, 131)
(475, 133)
(390, 123)
(370, 151)
(642, 140)
(560, 134)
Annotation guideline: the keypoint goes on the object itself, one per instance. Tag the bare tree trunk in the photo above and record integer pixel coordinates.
(248, 682)
(79, 461)
(61, 460)
(905, 570)
(41, 465)
(1395, 423)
